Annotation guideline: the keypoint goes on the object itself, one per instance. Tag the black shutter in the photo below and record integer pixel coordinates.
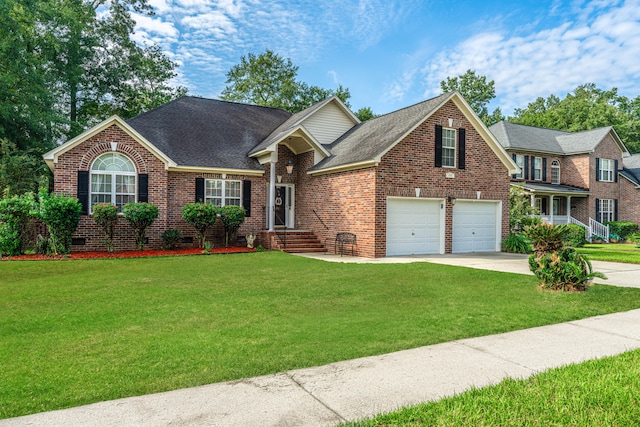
(598, 210)
(83, 191)
(513, 156)
(199, 190)
(438, 151)
(615, 172)
(533, 168)
(461, 148)
(597, 169)
(246, 196)
(526, 167)
(143, 187)
(544, 206)
(615, 209)
(544, 168)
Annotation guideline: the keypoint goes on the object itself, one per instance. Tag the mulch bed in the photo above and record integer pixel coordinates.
(129, 254)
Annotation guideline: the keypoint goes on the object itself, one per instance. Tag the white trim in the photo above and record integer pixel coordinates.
(346, 167)
(202, 169)
(313, 143)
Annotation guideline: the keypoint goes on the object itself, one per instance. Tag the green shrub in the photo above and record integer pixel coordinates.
(171, 238)
(200, 216)
(634, 238)
(140, 216)
(15, 215)
(232, 218)
(106, 216)
(622, 228)
(517, 243)
(521, 213)
(575, 236)
(61, 214)
(546, 238)
(9, 239)
(563, 270)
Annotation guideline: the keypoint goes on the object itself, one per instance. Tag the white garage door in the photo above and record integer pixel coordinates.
(414, 227)
(476, 226)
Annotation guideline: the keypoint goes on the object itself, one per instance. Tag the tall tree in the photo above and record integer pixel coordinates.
(477, 92)
(270, 80)
(587, 107)
(26, 112)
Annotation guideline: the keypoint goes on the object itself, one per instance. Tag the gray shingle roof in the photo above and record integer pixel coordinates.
(521, 137)
(632, 168)
(553, 188)
(370, 139)
(203, 132)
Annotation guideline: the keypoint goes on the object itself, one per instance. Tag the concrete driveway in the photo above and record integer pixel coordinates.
(618, 274)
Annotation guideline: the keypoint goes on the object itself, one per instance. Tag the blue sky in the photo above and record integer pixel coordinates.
(394, 53)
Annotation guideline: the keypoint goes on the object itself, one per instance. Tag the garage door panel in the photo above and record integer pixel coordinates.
(475, 226)
(413, 226)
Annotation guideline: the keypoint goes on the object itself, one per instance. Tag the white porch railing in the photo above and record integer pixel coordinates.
(599, 229)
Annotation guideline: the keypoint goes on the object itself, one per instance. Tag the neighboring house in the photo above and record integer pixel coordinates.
(586, 176)
(429, 178)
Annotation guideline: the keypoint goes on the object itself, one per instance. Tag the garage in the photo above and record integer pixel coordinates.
(476, 226)
(414, 226)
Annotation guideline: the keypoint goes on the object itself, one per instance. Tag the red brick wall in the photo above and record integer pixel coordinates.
(629, 205)
(607, 149)
(575, 170)
(344, 201)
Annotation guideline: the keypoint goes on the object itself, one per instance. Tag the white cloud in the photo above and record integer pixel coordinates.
(602, 48)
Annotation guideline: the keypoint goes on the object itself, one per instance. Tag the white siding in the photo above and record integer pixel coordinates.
(328, 123)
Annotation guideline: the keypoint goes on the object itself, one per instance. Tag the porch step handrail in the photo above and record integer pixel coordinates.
(320, 219)
(587, 229)
(599, 229)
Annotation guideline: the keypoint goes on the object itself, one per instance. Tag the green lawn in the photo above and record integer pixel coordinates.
(603, 392)
(75, 332)
(617, 252)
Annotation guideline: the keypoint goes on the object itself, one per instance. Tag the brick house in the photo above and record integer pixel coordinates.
(429, 178)
(587, 176)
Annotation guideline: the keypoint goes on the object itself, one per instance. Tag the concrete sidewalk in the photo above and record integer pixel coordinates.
(618, 274)
(353, 389)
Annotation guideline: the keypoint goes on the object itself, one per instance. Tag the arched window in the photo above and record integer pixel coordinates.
(555, 172)
(113, 180)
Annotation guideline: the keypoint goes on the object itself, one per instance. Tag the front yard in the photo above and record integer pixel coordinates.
(76, 332)
(616, 252)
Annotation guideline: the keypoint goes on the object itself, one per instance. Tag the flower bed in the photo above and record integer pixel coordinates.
(130, 254)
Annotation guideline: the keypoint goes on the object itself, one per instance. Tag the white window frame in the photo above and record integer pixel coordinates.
(606, 210)
(225, 187)
(520, 163)
(112, 178)
(449, 138)
(555, 172)
(537, 169)
(606, 172)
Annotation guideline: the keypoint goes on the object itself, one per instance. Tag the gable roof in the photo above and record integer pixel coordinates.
(51, 157)
(208, 133)
(365, 144)
(296, 123)
(529, 138)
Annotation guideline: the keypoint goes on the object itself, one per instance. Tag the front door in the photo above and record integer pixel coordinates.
(281, 206)
(284, 201)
